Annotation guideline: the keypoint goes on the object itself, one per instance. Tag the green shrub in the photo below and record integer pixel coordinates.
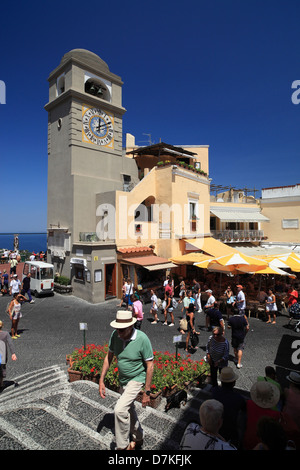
(62, 280)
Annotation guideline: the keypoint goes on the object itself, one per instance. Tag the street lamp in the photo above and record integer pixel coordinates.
(83, 327)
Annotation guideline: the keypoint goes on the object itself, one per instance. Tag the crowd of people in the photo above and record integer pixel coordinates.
(18, 291)
(195, 298)
(11, 256)
(270, 419)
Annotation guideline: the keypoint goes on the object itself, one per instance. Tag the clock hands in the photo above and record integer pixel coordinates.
(102, 125)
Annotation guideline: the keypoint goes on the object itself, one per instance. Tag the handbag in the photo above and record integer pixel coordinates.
(295, 310)
(12, 310)
(183, 324)
(194, 339)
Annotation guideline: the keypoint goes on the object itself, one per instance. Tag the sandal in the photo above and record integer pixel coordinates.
(131, 446)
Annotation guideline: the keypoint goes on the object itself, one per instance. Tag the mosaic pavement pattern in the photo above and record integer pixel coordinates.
(43, 411)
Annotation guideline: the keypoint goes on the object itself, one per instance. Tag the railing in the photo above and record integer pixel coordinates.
(127, 187)
(92, 237)
(233, 199)
(238, 235)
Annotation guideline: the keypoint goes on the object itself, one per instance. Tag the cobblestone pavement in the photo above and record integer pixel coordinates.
(41, 410)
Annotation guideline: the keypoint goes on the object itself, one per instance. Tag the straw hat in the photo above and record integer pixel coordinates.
(265, 394)
(123, 319)
(228, 375)
(294, 377)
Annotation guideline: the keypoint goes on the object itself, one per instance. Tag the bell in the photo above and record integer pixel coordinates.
(100, 91)
(92, 89)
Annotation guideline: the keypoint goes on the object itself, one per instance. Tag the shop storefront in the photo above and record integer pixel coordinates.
(145, 270)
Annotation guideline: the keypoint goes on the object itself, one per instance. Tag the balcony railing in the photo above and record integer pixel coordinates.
(92, 237)
(233, 199)
(230, 236)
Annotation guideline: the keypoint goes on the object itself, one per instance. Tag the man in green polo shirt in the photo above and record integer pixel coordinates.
(135, 364)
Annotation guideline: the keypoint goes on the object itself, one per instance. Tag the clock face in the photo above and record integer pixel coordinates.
(97, 127)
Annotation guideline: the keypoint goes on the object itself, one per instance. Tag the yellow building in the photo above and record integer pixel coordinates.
(236, 216)
(169, 212)
(282, 206)
(157, 215)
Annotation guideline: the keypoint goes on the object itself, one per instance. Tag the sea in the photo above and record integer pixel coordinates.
(27, 241)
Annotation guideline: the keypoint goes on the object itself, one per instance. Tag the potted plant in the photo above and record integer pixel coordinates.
(62, 284)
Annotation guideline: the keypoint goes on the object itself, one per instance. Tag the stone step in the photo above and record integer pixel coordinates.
(45, 411)
(30, 384)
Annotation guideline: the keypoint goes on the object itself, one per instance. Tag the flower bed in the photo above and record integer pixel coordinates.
(168, 374)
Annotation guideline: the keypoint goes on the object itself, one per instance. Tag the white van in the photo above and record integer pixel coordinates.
(42, 277)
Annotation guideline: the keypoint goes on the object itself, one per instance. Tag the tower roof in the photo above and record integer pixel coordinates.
(88, 60)
(86, 57)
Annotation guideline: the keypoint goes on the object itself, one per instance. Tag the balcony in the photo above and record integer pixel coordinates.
(233, 236)
(92, 237)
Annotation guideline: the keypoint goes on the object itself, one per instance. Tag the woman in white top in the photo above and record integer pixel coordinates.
(154, 307)
(15, 314)
(128, 292)
(271, 306)
(123, 292)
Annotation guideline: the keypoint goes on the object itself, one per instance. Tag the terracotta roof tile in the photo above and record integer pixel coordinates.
(134, 249)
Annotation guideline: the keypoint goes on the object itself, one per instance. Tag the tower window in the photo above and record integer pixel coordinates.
(60, 85)
(96, 88)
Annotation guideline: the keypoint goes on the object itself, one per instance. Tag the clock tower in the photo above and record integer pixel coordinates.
(85, 168)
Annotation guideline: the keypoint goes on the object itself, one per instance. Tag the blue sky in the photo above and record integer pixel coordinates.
(215, 73)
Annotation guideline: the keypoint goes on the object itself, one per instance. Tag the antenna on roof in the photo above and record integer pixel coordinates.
(149, 141)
